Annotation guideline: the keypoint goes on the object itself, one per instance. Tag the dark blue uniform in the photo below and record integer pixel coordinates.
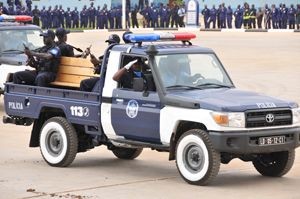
(163, 13)
(68, 17)
(29, 4)
(174, 16)
(99, 18)
(92, 16)
(146, 14)
(61, 17)
(284, 17)
(212, 17)
(205, 13)
(105, 16)
(291, 17)
(11, 10)
(238, 14)
(118, 17)
(222, 17)
(44, 18)
(229, 14)
(111, 17)
(154, 17)
(75, 18)
(274, 17)
(84, 17)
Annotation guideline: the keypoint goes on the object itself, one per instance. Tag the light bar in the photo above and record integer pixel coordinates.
(150, 37)
(16, 18)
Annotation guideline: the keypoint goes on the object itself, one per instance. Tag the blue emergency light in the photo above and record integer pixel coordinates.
(150, 37)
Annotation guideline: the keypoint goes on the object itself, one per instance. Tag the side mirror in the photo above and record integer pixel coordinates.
(138, 84)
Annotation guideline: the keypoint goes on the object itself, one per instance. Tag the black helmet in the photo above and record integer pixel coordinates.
(113, 39)
(124, 38)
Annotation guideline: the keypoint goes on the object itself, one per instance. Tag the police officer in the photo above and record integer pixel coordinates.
(89, 84)
(49, 17)
(36, 16)
(146, 14)
(163, 13)
(134, 17)
(267, 17)
(252, 17)
(118, 18)
(11, 10)
(274, 13)
(17, 3)
(238, 15)
(181, 14)
(154, 17)
(92, 15)
(75, 18)
(105, 16)
(205, 13)
(28, 4)
(45, 61)
(44, 15)
(83, 17)
(68, 18)
(55, 17)
(99, 18)
(174, 16)
(259, 16)
(284, 16)
(65, 49)
(229, 14)
(246, 16)
(291, 17)
(212, 17)
(61, 17)
(222, 16)
(111, 17)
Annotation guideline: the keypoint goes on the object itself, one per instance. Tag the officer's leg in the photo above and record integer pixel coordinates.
(44, 78)
(88, 84)
(24, 77)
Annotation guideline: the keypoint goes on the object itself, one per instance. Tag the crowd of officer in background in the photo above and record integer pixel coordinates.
(281, 17)
(162, 16)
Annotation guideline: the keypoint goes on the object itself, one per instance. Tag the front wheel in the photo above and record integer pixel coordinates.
(58, 142)
(127, 153)
(274, 164)
(196, 159)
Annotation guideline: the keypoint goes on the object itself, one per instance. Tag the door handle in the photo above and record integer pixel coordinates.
(120, 100)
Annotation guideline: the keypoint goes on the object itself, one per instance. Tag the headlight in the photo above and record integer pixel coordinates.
(229, 119)
(296, 115)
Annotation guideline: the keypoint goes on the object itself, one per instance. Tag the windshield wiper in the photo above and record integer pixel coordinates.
(215, 85)
(181, 87)
(12, 51)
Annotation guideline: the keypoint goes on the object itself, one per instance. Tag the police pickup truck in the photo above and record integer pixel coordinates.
(184, 103)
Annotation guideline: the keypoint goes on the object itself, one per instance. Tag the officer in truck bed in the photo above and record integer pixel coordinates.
(45, 60)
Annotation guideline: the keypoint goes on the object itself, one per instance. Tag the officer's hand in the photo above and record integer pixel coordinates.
(128, 66)
(27, 52)
(94, 61)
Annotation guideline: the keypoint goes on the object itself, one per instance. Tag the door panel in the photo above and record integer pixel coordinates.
(136, 117)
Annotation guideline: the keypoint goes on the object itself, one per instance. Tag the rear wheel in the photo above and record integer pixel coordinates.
(196, 159)
(127, 153)
(58, 142)
(274, 164)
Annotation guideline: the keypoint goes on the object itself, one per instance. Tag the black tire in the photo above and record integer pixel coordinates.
(197, 161)
(127, 153)
(58, 142)
(274, 164)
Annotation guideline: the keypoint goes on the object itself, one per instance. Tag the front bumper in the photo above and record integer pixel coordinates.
(246, 142)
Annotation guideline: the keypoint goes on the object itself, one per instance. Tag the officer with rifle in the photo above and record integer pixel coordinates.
(45, 60)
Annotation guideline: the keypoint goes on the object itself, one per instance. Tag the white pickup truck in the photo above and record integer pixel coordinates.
(14, 36)
(182, 101)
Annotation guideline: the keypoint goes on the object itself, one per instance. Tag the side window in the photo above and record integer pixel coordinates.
(139, 74)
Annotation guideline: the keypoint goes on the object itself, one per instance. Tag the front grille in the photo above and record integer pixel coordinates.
(258, 118)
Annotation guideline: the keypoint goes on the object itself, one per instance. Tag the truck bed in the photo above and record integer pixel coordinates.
(29, 101)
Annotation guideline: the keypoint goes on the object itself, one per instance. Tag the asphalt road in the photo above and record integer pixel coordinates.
(263, 62)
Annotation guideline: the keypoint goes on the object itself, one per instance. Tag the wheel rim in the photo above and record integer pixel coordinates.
(54, 143)
(193, 157)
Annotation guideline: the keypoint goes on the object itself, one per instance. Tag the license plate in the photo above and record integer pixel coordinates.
(271, 140)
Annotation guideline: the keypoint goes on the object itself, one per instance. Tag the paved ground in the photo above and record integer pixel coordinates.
(262, 62)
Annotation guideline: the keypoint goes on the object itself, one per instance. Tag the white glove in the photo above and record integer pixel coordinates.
(128, 66)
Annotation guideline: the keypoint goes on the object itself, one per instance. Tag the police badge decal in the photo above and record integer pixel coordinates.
(132, 108)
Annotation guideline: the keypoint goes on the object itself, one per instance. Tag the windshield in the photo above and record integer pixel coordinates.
(190, 71)
(13, 40)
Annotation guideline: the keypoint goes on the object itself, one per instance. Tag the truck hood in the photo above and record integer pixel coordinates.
(13, 59)
(228, 100)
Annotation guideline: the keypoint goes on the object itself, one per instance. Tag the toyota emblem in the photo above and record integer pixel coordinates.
(270, 118)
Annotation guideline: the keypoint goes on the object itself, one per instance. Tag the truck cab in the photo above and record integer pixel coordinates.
(181, 100)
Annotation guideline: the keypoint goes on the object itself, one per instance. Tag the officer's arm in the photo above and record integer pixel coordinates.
(42, 55)
(118, 75)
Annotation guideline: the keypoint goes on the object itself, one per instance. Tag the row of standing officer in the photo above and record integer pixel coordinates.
(18, 3)
(279, 17)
